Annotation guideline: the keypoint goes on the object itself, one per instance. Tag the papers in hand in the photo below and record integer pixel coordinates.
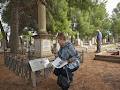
(58, 63)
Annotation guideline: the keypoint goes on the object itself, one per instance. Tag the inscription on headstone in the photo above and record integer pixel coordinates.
(46, 46)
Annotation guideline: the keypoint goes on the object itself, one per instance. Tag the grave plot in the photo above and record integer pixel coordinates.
(112, 56)
(19, 65)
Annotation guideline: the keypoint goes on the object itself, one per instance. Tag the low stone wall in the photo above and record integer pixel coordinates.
(110, 58)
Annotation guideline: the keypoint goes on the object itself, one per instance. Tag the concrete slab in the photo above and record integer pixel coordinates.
(106, 56)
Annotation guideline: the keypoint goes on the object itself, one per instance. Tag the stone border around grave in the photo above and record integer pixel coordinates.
(110, 58)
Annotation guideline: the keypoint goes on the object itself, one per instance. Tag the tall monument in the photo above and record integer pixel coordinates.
(42, 44)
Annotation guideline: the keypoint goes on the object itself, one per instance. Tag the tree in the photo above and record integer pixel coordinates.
(116, 22)
(12, 14)
(57, 14)
(88, 15)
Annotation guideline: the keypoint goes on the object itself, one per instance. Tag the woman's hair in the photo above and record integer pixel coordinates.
(62, 35)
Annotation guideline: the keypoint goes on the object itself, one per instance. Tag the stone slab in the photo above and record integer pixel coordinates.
(107, 57)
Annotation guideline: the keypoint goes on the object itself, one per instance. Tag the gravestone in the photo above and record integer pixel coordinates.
(42, 41)
(42, 47)
(90, 43)
(77, 42)
(93, 40)
(104, 41)
(81, 43)
(113, 40)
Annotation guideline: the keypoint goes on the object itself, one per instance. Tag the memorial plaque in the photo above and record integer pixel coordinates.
(38, 64)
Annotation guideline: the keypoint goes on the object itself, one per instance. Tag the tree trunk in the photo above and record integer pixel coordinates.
(14, 36)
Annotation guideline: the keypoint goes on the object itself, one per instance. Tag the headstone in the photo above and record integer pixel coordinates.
(45, 47)
(81, 43)
(77, 43)
(90, 43)
(113, 40)
(42, 47)
(104, 40)
(77, 40)
(93, 40)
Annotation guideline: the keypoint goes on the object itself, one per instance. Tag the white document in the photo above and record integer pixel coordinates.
(58, 63)
(39, 64)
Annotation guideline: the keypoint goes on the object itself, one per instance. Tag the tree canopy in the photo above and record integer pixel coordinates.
(89, 15)
(70, 16)
(116, 21)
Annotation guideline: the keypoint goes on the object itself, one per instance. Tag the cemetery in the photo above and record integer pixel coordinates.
(31, 48)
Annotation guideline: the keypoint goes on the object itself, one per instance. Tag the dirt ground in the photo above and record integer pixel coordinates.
(92, 75)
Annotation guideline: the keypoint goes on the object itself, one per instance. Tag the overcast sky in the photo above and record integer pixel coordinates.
(111, 4)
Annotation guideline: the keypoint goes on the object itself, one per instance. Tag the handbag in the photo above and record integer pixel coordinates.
(63, 81)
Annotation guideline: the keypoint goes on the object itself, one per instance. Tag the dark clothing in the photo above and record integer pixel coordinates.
(62, 75)
(61, 71)
(65, 76)
(99, 36)
(98, 46)
(99, 41)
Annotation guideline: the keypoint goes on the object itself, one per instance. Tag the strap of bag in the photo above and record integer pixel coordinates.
(67, 74)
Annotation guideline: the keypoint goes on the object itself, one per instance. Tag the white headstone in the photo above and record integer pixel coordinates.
(81, 43)
(93, 40)
(104, 40)
(113, 40)
(90, 43)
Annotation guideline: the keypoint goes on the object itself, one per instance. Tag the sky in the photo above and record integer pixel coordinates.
(111, 4)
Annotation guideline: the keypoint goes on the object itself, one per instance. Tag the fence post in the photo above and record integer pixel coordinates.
(33, 77)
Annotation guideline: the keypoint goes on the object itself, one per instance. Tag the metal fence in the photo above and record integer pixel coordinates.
(19, 65)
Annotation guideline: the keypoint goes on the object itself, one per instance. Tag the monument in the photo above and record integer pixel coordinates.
(42, 41)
